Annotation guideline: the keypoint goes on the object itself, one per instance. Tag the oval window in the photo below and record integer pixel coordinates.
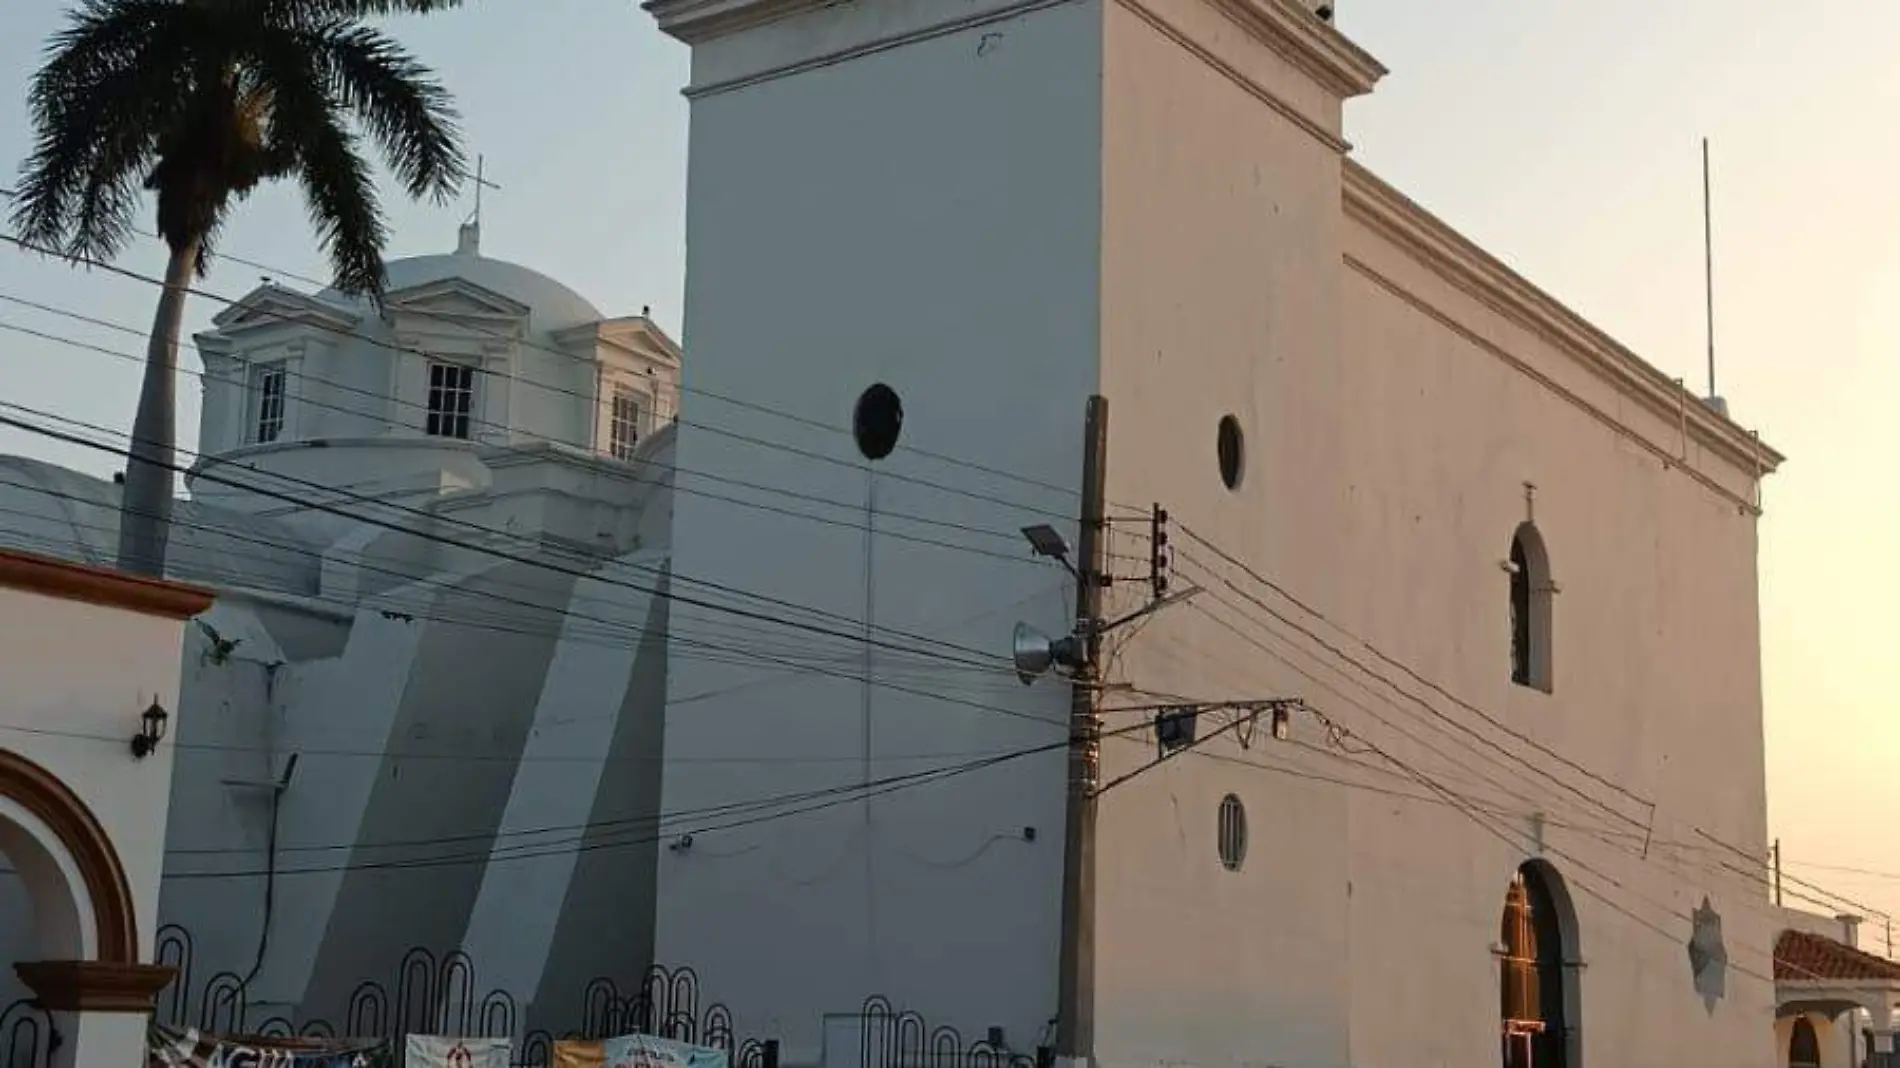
(1230, 450)
(878, 421)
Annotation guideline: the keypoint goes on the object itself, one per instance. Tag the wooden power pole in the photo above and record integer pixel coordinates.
(1075, 986)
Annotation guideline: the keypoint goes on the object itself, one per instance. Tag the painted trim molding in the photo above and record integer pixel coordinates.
(43, 794)
(1454, 257)
(95, 986)
(33, 573)
(1314, 46)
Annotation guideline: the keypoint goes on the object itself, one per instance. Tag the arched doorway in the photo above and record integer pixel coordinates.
(1538, 1007)
(1804, 1045)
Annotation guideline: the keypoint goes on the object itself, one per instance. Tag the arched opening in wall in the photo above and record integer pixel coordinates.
(1532, 592)
(1538, 999)
(1804, 1046)
(80, 899)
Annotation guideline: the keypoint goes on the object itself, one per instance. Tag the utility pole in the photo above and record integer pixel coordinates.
(1777, 873)
(1075, 984)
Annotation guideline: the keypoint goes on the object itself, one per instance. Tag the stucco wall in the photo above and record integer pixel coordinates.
(925, 215)
(78, 677)
(1220, 228)
(1386, 451)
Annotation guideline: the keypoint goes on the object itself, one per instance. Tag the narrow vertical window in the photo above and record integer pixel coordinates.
(624, 429)
(267, 389)
(451, 400)
(1531, 595)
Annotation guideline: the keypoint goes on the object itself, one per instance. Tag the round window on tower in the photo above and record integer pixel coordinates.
(878, 421)
(1230, 450)
(1231, 833)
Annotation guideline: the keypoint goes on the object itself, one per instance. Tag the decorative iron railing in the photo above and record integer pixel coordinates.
(894, 1039)
(439, 995)
(430, 995)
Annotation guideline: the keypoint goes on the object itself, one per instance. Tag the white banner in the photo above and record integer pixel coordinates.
(437, 1051)
(636, 1051)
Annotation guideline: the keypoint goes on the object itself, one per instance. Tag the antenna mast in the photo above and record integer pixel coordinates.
(1708, 273)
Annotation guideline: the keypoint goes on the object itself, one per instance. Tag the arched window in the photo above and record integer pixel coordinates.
(1531, 594)
(1804, 1046)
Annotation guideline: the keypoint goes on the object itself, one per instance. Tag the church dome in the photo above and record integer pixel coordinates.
(552, 306)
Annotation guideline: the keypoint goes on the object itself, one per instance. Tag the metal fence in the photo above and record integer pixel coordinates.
(438, 995)
(428, 995)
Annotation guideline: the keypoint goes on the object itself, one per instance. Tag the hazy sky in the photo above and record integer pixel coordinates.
(1562, 136)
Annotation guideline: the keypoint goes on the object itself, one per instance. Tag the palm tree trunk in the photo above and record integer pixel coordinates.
(145, 511)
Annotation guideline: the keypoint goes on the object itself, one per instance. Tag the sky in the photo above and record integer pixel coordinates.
(1564, 137)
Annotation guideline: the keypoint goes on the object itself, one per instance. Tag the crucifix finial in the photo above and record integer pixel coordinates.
(469, 241)
(481, 183)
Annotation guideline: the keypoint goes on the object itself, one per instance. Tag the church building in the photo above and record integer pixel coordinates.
(1453, 638)
(438, 536)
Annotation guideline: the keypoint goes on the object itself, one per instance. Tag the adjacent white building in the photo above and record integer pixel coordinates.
(85, 785)
(438, 535)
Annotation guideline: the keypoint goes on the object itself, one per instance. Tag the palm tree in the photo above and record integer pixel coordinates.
(198, 102)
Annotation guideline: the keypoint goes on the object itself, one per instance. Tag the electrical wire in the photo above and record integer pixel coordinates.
(1520, 796)
(527, 344)
(989, 659)
(709, 394)
(1490, 719)
(1508, 757)
(613, 635)
(589, 842)
(1817, 890)
(631, 474)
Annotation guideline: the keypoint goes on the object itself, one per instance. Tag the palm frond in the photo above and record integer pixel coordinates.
(363, 9)
(114, 79)
(310, 140)
(399, 103)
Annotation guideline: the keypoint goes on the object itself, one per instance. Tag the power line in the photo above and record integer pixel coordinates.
(1507, 790)
(1575, 861)
(989, 659)
(609, 633)
(582, 844)
(74, 439)
(1431, 709)
(525, 343)
(1407, 669)
(631, 468)
(763, 409)
(848, 676)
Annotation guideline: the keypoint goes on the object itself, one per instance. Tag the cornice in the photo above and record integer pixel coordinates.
(1461, 262)
(414, 300)
(101, 586)
(276, 305)
(95, 986)
(1309, 43)
(698, 21)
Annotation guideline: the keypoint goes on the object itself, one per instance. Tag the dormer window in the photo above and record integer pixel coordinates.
(267, 403)
(624, 428)
(451, 400)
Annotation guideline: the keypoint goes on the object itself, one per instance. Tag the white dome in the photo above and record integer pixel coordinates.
(551, 305)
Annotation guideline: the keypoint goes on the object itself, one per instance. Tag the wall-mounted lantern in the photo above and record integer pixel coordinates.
(151, 730)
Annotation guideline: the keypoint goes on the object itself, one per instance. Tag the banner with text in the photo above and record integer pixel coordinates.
(437, 1051)
(191, 1048)
(636, 1051)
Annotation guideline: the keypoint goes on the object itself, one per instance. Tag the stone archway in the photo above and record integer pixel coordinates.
(81, 897)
